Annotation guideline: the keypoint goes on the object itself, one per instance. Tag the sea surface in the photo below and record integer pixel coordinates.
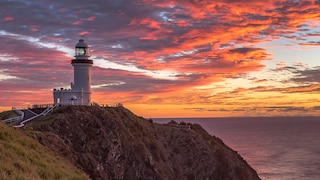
(278, 148)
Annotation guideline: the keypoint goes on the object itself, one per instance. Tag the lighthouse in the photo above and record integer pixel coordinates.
(80, 92)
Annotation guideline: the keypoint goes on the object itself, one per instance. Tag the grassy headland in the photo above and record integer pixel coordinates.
(22, 157)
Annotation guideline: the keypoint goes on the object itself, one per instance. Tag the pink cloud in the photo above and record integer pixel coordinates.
(76, 23)
(8, 18)
(34, 28)
(91, 18)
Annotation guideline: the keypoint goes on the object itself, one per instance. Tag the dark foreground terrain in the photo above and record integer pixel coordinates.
(82, 142)
(113, 143)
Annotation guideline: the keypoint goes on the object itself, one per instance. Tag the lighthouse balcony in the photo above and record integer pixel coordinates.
(85, 61)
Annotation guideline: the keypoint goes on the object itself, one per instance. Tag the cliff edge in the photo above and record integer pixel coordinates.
(113, 143)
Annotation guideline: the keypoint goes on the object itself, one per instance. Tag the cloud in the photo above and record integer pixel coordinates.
(309, 75)
(82, 33)
(156, 51)
(301, 74)
(311, 43)
(91, 18)
(309, 89)
(8, 18)
(316, 108)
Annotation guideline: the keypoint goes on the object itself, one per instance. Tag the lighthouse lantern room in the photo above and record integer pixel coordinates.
(80, 92)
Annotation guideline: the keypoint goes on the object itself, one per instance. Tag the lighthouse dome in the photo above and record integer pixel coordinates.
(82, 44)
(82, 50)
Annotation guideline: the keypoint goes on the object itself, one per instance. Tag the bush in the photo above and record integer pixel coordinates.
(173, 122)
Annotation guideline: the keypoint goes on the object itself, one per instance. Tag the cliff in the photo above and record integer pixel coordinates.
(113, 143)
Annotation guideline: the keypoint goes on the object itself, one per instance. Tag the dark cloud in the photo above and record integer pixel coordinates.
(195, 109)
(286, 68)
(311, 43)
(244, 50)
(304, 75)
(316, 108)
(308, 89)
(307, 75)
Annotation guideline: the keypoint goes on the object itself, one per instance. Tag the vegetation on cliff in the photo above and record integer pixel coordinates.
(7, 114)
(113, 143)
(22, 157)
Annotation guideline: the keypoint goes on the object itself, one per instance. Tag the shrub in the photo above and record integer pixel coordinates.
(173, 122)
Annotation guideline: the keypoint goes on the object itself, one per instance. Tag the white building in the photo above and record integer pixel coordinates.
(80, 92)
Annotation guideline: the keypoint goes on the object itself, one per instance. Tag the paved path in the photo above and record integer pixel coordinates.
(28, 114)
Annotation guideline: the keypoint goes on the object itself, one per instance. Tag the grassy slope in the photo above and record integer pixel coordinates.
(22, 157)
(7, 114)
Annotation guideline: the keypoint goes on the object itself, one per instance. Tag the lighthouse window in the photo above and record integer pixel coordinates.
(80, 51)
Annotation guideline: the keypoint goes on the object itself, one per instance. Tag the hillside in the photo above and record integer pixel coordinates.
(22, 157)
(113, 143)
(7, 114)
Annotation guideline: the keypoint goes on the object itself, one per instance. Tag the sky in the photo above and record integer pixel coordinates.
(167, 58)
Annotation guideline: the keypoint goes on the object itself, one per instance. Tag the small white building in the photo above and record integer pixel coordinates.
(80, 92)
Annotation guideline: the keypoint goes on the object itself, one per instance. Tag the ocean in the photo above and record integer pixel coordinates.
(278, 148)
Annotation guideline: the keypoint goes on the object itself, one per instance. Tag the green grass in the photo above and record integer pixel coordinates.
(7, 114)
(22, 157)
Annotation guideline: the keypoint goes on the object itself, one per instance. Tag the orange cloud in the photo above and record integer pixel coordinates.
(84, 33)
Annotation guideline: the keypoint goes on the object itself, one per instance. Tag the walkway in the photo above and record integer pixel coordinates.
(28, 115)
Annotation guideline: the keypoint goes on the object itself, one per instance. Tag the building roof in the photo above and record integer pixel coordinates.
(81, 43)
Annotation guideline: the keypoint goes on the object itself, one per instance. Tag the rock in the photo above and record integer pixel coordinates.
(113, 143)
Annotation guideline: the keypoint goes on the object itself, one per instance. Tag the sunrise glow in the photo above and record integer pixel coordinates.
(168, 58)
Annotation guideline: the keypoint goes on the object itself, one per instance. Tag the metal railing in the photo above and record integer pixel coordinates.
(45, 112)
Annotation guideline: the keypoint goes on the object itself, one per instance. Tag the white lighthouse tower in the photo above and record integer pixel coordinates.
(80, 92)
